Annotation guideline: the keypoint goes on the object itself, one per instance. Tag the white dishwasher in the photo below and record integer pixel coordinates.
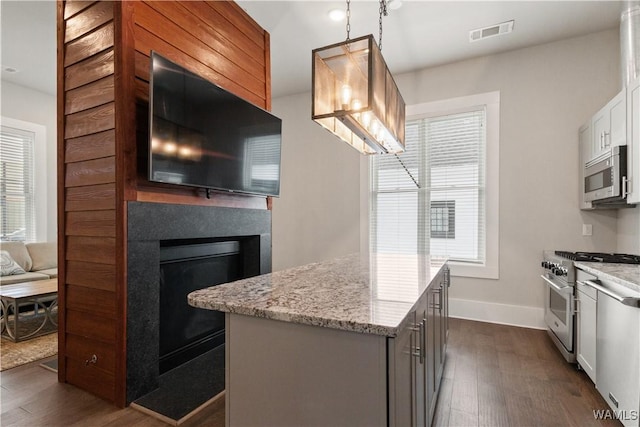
(618, 349)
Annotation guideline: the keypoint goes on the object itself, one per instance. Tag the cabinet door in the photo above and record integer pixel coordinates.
(586, 345)
(600, 125)
(421, 366)
(633, 146)
(584, 150)
(617, 121)
(438, 338)
(431, 352)
(609, 126)
(401, 377)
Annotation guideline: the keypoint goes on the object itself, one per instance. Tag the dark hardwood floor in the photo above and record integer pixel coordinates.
(497, 375)
(494, 376)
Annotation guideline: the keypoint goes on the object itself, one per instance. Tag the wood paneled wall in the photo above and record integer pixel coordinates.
(103, 74)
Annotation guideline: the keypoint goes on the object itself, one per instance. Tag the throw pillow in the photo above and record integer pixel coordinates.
(8, 266)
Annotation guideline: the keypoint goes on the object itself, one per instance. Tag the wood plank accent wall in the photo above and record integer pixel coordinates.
(215, 39)
(90, 315)
(103, 85)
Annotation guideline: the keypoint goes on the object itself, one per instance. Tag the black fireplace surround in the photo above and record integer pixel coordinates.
(160, 234)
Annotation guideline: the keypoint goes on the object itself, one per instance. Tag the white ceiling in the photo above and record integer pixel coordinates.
(419, 34)
(28, 43)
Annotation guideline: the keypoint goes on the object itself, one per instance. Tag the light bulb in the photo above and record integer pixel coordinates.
(170, 148)
(366, 119)
(374, 128)
(184, 151)
(356, 105)
(346, 93)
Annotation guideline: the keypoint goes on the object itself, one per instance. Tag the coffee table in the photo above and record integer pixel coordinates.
(42, 295)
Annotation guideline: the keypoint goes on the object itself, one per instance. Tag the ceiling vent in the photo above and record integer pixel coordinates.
(494, 30)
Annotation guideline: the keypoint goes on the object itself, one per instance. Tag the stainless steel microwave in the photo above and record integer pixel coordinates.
(605, 178)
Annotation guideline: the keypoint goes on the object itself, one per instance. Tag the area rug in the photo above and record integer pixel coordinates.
(15, 354)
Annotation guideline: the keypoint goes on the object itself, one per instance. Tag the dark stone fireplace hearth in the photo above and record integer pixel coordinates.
(153, 226)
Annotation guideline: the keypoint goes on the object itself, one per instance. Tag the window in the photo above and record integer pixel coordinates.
(443, 219)
(17, 204)
(23, 181)
(441, 195)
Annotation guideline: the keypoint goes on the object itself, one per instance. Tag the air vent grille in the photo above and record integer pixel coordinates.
(492, 31)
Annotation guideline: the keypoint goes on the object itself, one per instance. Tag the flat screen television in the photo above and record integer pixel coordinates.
(201, 135)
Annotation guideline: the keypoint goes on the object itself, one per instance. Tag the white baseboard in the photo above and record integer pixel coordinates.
(504, 314)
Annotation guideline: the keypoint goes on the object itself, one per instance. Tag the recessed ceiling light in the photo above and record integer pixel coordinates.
(491, 31)
(337, 14)
(394, 4)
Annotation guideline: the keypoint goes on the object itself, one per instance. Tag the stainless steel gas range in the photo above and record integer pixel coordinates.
(560, 299)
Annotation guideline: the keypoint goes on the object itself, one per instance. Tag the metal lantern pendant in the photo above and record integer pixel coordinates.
(355, 96)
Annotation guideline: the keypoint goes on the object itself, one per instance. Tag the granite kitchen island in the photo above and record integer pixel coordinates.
(351, 341)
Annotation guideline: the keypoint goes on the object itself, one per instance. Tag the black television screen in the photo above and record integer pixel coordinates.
(204, 136)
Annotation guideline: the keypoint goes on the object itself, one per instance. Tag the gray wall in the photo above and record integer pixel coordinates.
(547, 92)
(629, 230)
(317, 215)
(21, 103)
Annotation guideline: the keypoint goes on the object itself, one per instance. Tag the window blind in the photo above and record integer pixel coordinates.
(441, 173)
(262, 165)
(17, 204)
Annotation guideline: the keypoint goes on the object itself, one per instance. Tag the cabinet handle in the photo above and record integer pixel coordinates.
(606, 134)
(422, 340)
(93, 360)
(420, 353)
(630, 301)
(439, 304)
(625, 186)
(601, 143)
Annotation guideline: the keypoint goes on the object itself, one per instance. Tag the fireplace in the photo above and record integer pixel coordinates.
(172, 250)
(187, 332)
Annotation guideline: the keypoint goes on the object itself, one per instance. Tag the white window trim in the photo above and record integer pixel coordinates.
(491, 101)
(40, 172)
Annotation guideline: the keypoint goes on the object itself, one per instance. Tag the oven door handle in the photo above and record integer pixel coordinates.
(630, 301)
(562, 289)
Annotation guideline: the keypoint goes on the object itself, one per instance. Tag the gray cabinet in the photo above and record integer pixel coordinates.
(402, 375)
(289, 374)
(422, 344)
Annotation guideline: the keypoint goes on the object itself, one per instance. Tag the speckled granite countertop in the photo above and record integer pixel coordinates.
(627, 275)
(371, 296)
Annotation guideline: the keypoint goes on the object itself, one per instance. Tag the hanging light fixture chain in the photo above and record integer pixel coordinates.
(382, 11)
(407, 170)
(348, 18)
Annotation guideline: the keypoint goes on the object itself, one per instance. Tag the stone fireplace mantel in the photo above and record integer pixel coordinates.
(149, 224)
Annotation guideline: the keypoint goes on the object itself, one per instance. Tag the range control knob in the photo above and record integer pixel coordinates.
(560, 271)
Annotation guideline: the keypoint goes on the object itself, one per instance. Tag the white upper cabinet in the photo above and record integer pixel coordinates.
(609, 126)
(633, 146)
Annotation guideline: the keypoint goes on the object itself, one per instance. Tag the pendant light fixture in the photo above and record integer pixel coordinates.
(355, 96)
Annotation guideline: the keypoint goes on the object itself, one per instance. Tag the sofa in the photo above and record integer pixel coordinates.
(39, 261)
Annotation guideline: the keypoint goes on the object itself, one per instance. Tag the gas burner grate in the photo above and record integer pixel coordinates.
(600, 257)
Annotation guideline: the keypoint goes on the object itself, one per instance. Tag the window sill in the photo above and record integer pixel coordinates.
(480, 271)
